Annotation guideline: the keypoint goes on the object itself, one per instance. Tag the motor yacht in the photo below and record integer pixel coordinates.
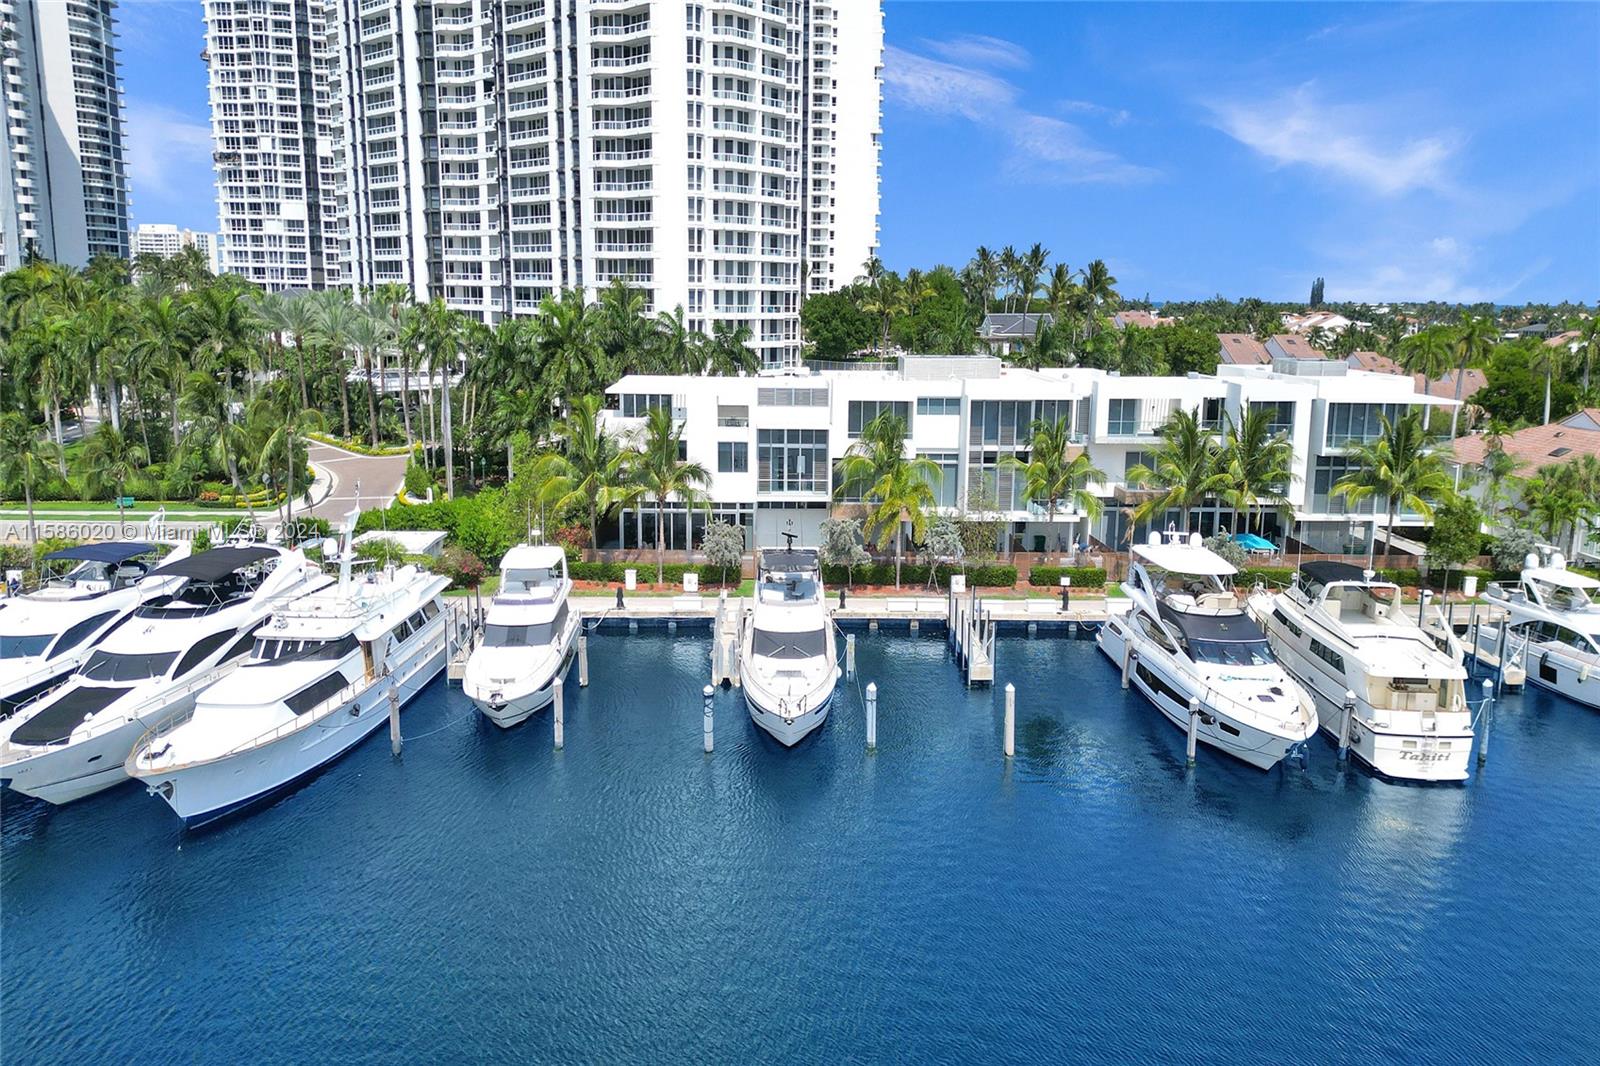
(1553, 615)
(1187, 636)
(788, 668)
(72, 743)
(1339, 629)
(528, 637)
(46, 633)
(321, 676)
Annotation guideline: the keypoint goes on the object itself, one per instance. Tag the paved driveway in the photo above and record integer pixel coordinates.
(371, 480)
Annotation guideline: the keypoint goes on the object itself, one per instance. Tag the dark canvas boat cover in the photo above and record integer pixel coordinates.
(1325, 573)
(64, 714)
(789, 561)
(216, 564)
(1232, 626)
(115, 551)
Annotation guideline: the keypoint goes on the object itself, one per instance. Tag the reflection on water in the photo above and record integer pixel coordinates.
(487, 898)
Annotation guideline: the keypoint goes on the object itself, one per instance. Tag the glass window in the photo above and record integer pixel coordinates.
(1231, 652)
(1123, 418)
(938, 405)
(639, 404)
(202, 650)
(108, 666)
(807, 645)
(862, 412)
(314, 695)
(792, 460)
(733, 457)
(77, 634)
(945, 485)
(21, 647)
(536, 634)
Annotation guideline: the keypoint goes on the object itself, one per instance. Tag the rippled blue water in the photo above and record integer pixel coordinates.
(485, 898)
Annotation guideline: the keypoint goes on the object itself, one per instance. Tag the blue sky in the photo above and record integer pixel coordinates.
(1403, 152)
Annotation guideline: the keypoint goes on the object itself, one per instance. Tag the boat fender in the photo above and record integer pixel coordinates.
(355, 710)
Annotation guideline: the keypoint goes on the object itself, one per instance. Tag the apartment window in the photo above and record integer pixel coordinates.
(639, 404)
(945, 485)
(938, 405)
(1211, 412)
(792, 460)
(862, 412)
(1123, 418)
(1357, 423)
(789, 397)
(1282, 414)
(733, 457)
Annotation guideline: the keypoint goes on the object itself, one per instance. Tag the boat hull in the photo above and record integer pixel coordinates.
(787, 731)
(1217, 728)
(67, 772)
(206, 792)
(507, 713)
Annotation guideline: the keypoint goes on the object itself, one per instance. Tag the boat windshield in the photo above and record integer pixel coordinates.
(21, 647)
(1231, 652)
(526, 636)
(270, 649)
(806, 645)
(107, 666)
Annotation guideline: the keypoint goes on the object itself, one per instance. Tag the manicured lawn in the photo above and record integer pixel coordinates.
(101, 507)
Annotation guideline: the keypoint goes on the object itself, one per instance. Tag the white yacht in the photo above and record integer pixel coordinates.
(46, 634)
(72, 743)
(787, 664)
(1554, 619)
(1186, 635)
(1338, 629)
(319, 679)
(528, 636)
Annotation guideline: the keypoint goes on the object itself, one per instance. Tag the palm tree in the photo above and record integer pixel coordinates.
(1186, 467)
(571, 359)
(369, 332)
(110, 461)
(676, 349)
(592, 469)
(729, 350)
(1053, 473)
(1399, 468)
(441, 331)
(298, 318)
(1590, 333)
(1258, 462)
(162, 342)
(1098, 291)
(898, 490)
(1010, 263)
(287, 422)
(1551, 361)
(986, 268)
(1030, 267)
(1430, 353)
(25, 456)
(1472, 341)
(208, 405)
(624, 332)
(336, 319)
(655, 470)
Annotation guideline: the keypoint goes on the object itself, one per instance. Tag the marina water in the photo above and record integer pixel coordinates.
(486, 898)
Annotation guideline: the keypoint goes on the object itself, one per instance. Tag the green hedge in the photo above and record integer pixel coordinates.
(356, 446)
(917, 574)
(672, 573)
(1082, 577)
(1407, 577)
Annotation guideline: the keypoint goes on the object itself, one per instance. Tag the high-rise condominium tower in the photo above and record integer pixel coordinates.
(63, 189)
(721, 156)
(276, 125)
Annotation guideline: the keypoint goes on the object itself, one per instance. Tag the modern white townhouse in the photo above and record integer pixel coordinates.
(63, 184)
(275, 126)
(772, 441)
(721, 156)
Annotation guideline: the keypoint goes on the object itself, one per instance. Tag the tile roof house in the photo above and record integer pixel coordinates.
(1142, 319)
(1558, 442)
(1241, 349)
(1005, 333)
(1292, 346)
(1443, 386)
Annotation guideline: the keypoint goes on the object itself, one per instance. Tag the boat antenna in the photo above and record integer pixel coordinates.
(788, 539)
(347, 552)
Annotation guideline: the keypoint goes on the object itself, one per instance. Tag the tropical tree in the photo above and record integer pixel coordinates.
(1429, 352)
(897, 490)
(592, 469)
(1186, 467)
(110, 460)
(1258, 462)
(25, 458)
(369, 332)
(1551, 361)
(1399, 468)
(656, 471)
(209, 407)
(286, 422)
(729, 350)
(442, 333)
(1472, 341)
(1057, 472)
(163, 342)
(336, 319)
(570, 359)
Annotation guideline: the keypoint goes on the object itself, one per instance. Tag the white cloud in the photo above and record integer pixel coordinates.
(168, 153)
(1042, 148)
(1115, 116)
(980, 50)
(1348, 141)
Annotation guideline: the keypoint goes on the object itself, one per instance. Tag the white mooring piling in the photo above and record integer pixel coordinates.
(1500, 652)
(583, 659)
(872, 716)
(1347, 715)
(1483, 735)
(1127, 661)
(849, 655)
(1011, 720)
(560, 715)
(1194, 730)
(395, 741)
(709, 694)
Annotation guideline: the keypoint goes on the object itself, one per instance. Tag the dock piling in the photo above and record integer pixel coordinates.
(1500, 654)
(1127, 661)
(1011, 720)
(709, 695)
(1488, 703)
(872, 716)
(1346, 716)
(583, 658)
(849, 655)
(1194, 729)
(560, 715)
(395, 741)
